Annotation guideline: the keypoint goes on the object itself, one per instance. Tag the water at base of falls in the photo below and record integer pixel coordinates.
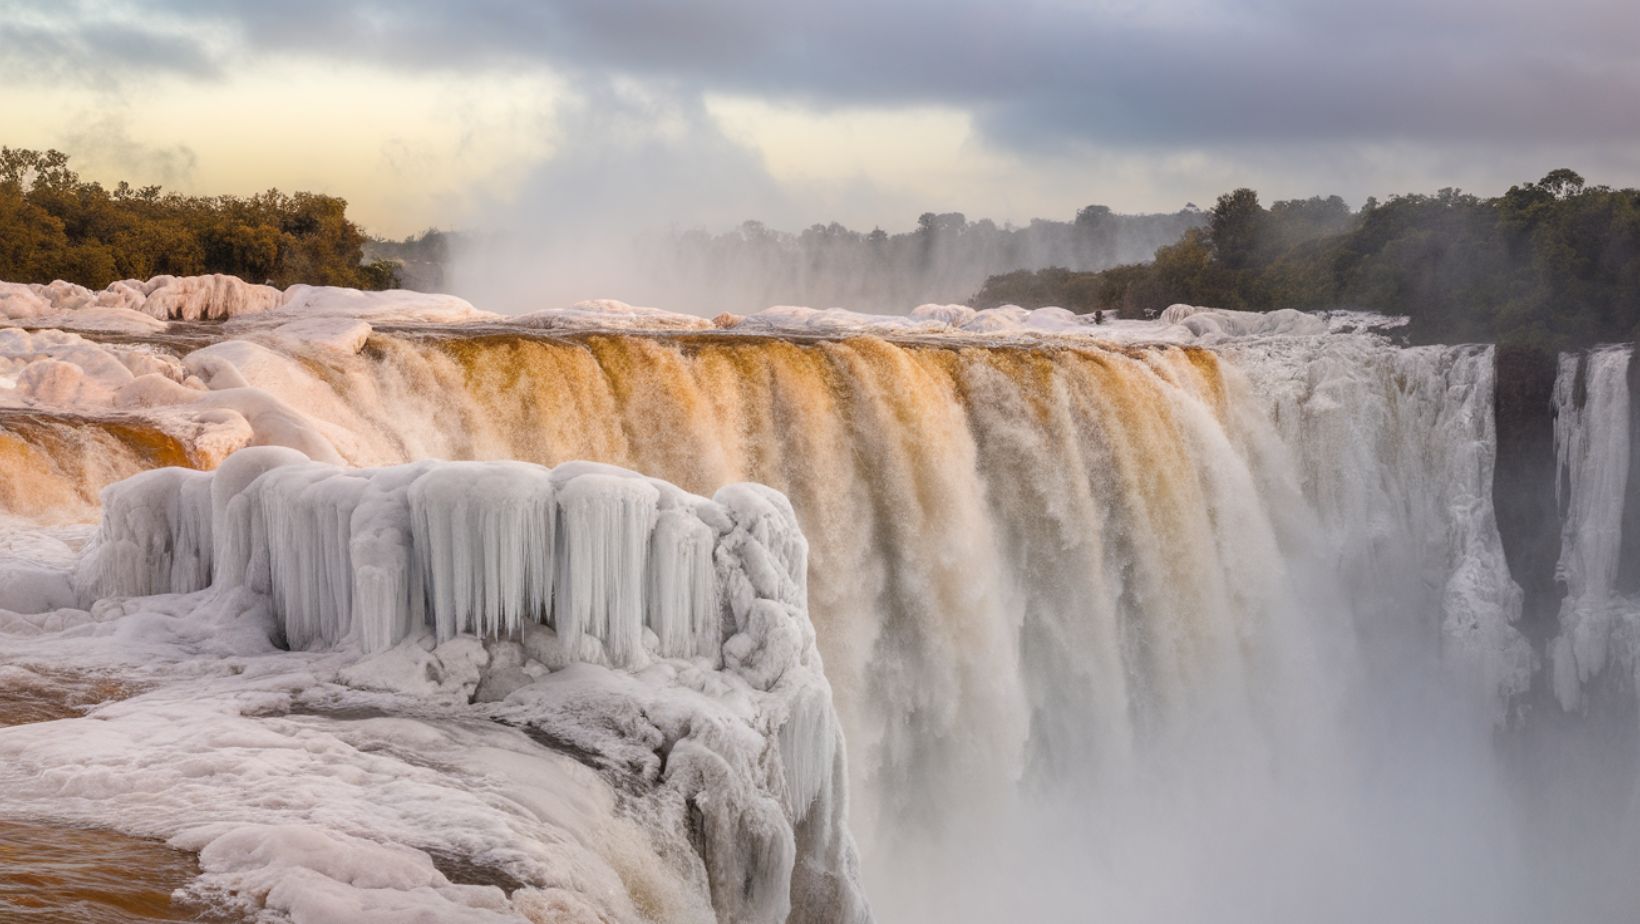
(67, 875)
(70, 875)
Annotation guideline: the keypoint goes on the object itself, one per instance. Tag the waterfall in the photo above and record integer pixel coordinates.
(1592, 443)
(1096, 615)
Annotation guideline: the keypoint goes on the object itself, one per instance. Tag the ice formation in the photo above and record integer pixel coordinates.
(584, 564)
(608, 313)
(133, 305)
(185, 298)
(619, 566)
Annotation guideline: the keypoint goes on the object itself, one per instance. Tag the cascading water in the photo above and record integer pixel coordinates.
(1147, 632)
(1592, 448)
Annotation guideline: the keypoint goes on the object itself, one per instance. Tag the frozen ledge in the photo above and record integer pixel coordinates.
(533, 592)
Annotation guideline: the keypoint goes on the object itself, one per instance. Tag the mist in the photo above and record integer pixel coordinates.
(1408, 809)
(649, 202)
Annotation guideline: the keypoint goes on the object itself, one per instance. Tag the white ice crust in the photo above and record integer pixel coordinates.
(136, 306)
(660, 638)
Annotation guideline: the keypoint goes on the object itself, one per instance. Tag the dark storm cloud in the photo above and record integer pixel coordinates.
(1043, 73)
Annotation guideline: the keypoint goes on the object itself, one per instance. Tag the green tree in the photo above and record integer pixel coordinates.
(1236, 227)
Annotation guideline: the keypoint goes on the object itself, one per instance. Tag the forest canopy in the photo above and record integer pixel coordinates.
(55, 225)
(1554, 262)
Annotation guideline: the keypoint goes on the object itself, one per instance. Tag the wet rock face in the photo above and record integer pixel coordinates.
(1523, 488)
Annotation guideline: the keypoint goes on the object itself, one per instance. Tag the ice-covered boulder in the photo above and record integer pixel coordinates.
(138, 306)
(305, 301)
(165, 298)
(1214, 324)
(540, 589)
(609, 314)
(213, 297)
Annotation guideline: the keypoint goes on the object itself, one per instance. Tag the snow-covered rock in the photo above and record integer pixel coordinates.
(659, 637)
(609, 313)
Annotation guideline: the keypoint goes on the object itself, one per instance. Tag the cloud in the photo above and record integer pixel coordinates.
(67, 41)
(1043, 72)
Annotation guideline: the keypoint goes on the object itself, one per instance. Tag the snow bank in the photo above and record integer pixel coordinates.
(608, 313)
(178, 298)
(1213, 324)
(923, 320)
(1178, 324)
(135, 306)
(400, 305)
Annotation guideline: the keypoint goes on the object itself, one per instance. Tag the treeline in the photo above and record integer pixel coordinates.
(943, 259)
(420, 260)
(1553, 263)
(55, 225)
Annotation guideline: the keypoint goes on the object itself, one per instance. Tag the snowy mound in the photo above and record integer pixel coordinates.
(659, 637)
(402, 305)
(135, 306)
(49, 368)
(609, 313)
(1213, 324)
(924, 319)
(801, 320)
(179, 298)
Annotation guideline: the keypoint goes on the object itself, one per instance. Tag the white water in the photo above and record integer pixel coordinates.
(1592, 456)
(1121, 633)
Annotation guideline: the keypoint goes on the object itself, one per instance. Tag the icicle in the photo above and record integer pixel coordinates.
(366, 556)
(683, 598)
(155, 537)
(233, 511)
(484, 535)
(307, 510)
(808, 746)
(604, 527)
(389, 596)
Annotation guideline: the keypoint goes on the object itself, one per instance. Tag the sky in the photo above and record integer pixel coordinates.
(703, 114)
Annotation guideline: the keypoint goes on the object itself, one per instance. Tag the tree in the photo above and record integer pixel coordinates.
(1554, 264)
(1561, 183)
(1235, 226)
(54, 225)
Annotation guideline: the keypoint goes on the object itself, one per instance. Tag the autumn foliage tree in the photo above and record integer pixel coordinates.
(55, 225)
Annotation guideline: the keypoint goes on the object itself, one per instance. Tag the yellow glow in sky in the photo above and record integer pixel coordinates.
(404, 151)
